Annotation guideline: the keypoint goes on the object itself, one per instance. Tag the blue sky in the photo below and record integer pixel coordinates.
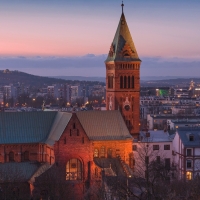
(55, 37)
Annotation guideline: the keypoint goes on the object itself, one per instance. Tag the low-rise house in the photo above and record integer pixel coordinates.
(187, 152)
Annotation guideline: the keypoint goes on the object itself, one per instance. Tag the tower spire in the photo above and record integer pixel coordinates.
(122, 5)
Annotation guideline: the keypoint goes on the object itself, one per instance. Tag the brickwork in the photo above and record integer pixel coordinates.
(26, 152)
(118, 98)
(74, 143)
(113, 149)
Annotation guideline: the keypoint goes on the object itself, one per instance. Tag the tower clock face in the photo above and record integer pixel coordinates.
(126, 104)
(127, 107)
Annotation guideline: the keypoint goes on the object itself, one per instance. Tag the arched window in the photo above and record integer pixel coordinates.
(102, 152)
(96, 153)
(11, 157)
(26, 156)
(121, 82)
(129, 82)
(74, 170)
(132, 82)
(109, 153)
(125, 80)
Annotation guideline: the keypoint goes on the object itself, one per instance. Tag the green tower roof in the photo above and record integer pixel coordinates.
(122, 47)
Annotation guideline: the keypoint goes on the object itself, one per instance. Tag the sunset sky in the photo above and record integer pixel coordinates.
(72, 37)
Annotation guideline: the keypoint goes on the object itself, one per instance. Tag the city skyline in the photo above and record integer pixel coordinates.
(75, 37)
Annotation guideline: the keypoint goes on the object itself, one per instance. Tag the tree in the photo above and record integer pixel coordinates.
(153, 172)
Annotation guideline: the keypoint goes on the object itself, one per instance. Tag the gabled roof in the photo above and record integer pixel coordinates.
(22, 171)
(122, 47)
(104, 125)
(32, 127)
(184, 134)
(59, 125)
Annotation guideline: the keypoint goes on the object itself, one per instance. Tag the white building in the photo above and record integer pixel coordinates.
(153, 146)
(187, 152)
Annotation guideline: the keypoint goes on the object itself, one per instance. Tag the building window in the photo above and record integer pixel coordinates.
(96, 153)
(109, 153)
(110, 81)
(189, 152)
(74, 170)
(191, 138)
(74, 126)
(167, 163)
(134, 147)
(26, 156)
(189, 175)
(132, 82)
(129, 82)
(70, 132)
(133, 162)
(121, 82)
(11, 157)
(155, 147)
(102, 152)
(189, 164)
(166, 147)
(83, 140)
(125, 80)
(77, 132)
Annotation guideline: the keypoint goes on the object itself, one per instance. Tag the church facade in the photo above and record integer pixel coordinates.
(67, 155)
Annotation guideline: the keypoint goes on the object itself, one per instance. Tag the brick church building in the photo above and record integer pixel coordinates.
(67, 155)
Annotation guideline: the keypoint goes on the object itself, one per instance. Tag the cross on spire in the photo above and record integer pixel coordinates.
(122, 7)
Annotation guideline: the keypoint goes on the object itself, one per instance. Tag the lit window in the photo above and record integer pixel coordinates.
(96, 153)
(74, 170)
(102, 152)
(189, 175)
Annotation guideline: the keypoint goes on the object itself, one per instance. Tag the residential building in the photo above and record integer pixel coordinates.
(187, 152)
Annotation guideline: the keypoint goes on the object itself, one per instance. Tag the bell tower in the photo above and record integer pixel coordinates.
(123, 77)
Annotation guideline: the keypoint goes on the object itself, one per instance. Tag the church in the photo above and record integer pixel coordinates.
(67, 155)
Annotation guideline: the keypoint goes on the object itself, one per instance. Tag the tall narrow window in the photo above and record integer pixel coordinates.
(11, 157)
(74, 126)
(125, 81)
(102, 152)
(129, 82)
(96, 153)
(26, 156)
(121, 82)
(109, 154)
(74, 170)
(110, 81)
(132, 82)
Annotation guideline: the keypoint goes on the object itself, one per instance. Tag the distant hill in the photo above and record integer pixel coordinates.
(81, 78)
(15, 77)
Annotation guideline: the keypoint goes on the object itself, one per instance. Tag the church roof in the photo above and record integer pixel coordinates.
(122, 47)
(32, 127)
(104, 125)
(22, 171)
